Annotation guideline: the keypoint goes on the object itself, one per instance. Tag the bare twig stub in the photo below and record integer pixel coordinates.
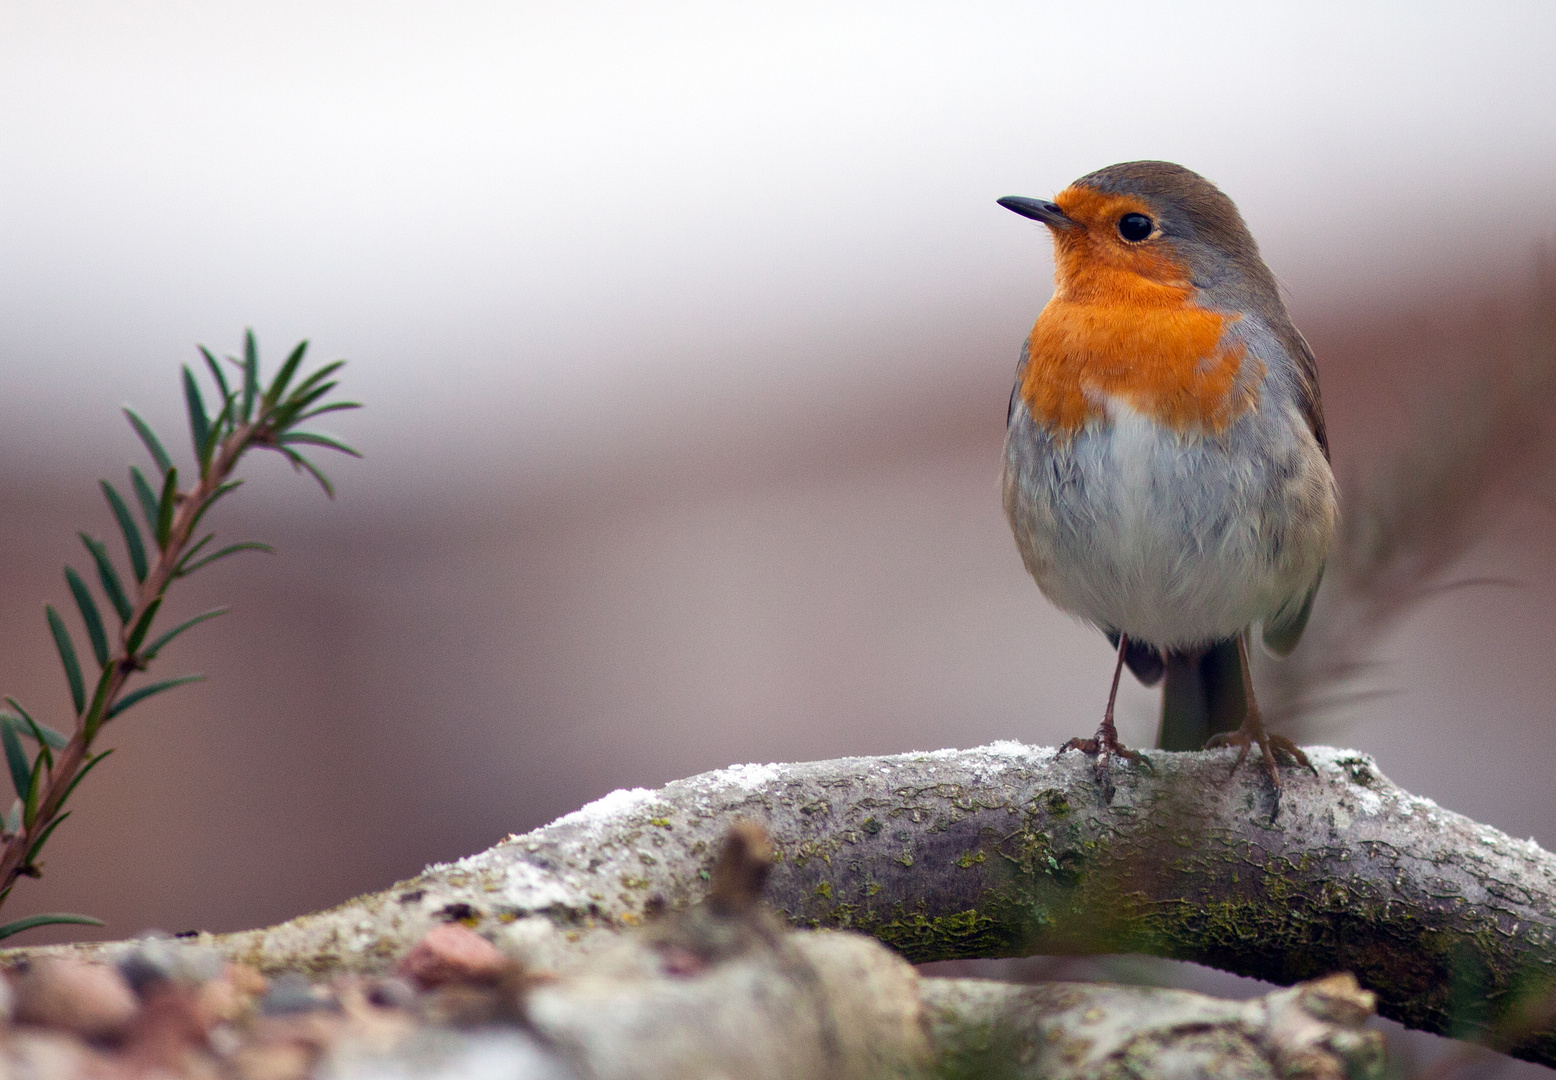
(1008, 850)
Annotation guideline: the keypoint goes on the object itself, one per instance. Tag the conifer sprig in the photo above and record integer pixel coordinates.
(250, 414)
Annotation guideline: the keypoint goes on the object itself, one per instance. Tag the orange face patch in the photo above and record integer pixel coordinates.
(1122, 325)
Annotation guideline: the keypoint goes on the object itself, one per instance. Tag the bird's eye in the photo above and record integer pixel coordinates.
(1135, 227)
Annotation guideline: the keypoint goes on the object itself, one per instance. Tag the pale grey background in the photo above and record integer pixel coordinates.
(686, 331)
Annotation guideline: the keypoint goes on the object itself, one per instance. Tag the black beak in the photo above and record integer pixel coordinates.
(1046, 212)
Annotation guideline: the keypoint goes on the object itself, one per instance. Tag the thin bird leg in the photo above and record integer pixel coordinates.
(1106, 744)
(1252, 731)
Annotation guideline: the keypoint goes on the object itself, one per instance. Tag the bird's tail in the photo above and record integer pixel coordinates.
(1203, 696)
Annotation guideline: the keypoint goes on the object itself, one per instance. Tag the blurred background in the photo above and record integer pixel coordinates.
(685, 333)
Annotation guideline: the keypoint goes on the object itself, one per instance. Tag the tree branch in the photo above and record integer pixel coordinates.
(1008, 850)
(1078, 1031)
(721, 988)
(817, 1006)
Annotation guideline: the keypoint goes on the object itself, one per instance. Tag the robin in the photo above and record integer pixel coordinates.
(1166, 469)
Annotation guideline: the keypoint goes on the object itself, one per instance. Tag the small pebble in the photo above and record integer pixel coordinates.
(274, 1061)
(220, 1001)
(391, 992)
(159, 959)
(290, 994)
(33, 1052)
(90, 1000)
(451, 954)
(170, 1031)
(682, 962)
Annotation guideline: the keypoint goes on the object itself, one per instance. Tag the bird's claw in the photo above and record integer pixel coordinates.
(1275, 750)
(1104, 748)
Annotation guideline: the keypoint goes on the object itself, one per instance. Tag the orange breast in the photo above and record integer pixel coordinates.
(1167, 362)
(1122, 326)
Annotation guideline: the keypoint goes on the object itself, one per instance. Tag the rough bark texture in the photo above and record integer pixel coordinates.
(1009, 850)
(820, 1006)
(780, 1005)
(719, 990)
(1080, 1031)
(860, 1014)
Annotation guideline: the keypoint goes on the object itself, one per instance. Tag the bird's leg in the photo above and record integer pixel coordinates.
(1106, 744)
(1253, 732)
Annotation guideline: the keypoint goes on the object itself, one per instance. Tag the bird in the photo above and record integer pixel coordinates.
(1166, 467)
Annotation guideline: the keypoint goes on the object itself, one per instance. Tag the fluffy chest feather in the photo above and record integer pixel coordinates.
(1175, 539)
(1142, 344)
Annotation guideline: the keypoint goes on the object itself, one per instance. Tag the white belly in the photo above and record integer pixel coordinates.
(1176, 541)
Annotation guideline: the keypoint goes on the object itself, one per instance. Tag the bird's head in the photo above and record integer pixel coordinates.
(1145, 224)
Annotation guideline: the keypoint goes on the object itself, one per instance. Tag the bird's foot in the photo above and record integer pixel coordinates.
(1105, 747)
(1275, 750)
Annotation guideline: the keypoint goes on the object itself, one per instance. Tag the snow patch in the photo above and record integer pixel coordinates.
(1008, 748)
(620, 801)
(1011, 748)
(1333, 756)
(523, 885)
(532, 888)
(750, 776)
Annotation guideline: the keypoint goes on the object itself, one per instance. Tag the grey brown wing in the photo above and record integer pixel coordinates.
(1282, 633)
(1015, 390)
(1307, 386)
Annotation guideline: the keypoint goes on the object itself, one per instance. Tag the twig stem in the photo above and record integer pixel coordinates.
(68, 762)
